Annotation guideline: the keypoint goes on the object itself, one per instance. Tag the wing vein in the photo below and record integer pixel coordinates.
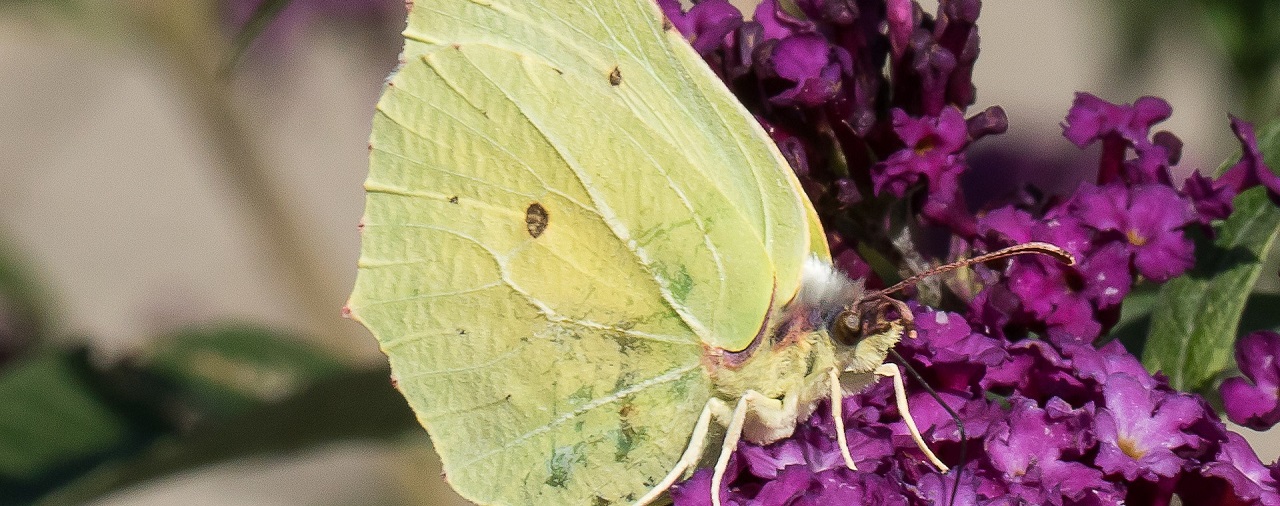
(407, 193)
(434, 295)
(683, 106)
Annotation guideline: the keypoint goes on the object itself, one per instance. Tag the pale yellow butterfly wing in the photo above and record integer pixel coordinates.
(565, 209)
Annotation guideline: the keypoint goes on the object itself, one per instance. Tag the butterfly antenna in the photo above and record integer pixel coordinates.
(1040, 248)
(955, 488)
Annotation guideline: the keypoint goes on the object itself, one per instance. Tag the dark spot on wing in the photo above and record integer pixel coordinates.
(600, 501)
(462, 332)
(559, 477)
(624, 380)
(535, 219)
(615, 76)
(666, 23)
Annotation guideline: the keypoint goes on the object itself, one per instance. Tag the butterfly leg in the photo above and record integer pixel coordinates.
(837, 414)
(771, 412)
(900, 393)
(731, 436)
(691, 454)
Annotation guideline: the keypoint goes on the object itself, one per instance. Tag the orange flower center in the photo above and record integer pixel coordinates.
(1136, 238)
(1130, 448)
(926, 145)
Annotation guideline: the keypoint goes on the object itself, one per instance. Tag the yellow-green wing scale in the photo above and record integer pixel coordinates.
(565, 208)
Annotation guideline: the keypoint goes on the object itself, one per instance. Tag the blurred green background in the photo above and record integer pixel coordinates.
(177, 236)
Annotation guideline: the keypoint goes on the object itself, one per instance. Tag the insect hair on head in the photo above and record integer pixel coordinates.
(825, 292)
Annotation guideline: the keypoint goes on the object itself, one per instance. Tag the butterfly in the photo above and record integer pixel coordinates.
(582, 256)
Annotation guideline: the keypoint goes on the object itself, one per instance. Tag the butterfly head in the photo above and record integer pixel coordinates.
(858, 323)
(861, 324)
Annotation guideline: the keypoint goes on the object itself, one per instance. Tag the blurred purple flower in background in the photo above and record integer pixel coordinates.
(1048, 421)
(236, 13)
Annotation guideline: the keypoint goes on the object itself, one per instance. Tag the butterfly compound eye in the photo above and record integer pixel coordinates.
(847, 328)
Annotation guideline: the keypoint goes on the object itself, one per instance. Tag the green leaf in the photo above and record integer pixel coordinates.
(56, 422)
(51, 416)
(353, 405)
(227, 369)
(63, 418)
(1194, 327)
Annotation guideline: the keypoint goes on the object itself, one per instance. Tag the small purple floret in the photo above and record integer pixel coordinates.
(1138, 429)
(1255, 402)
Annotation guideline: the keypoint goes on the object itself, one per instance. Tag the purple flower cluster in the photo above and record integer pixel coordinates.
(1045, 425)
(812, 70)
(883, 154)
(867, 143)
(1130, 224)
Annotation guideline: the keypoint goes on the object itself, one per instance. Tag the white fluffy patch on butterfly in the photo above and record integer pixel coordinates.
(825, 290)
